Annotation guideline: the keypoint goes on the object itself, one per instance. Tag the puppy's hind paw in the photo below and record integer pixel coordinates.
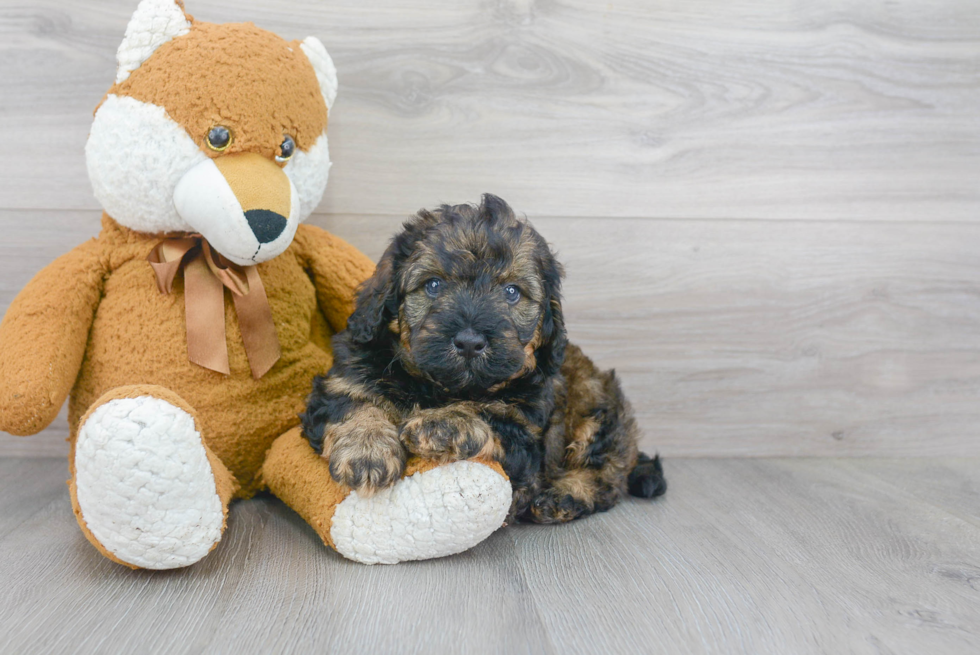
(646, 480)
(554, 506)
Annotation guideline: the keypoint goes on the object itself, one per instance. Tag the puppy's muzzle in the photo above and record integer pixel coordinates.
(469, 343)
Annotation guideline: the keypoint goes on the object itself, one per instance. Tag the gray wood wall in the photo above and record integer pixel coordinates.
(768, 209)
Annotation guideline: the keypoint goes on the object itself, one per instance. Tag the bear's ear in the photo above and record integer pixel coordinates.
(154, 23)
(326, 73)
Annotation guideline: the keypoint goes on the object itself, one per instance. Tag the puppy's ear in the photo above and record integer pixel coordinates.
(378, 298)
(554, 339)
(494, 208)
(377, 301)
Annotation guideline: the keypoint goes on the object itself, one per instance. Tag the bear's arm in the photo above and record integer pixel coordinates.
(336, 268)
(43, 337)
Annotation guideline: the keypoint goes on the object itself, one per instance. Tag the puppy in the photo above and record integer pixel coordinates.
(457, 349)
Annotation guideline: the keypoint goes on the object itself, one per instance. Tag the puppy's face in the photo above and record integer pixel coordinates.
(472, 302)
(469, 294)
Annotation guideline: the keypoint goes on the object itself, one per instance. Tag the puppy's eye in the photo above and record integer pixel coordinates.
(219, 138)
(512, 293)
(433, 287)
(286, 149)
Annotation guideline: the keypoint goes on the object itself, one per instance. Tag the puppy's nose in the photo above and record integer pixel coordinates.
(469, 343)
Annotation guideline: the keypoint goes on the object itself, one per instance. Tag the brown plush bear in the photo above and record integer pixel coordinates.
(188, 332)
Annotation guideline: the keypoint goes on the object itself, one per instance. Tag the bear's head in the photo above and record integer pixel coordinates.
(213, 129)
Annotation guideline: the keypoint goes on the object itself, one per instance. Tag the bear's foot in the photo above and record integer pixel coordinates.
(144, 488)
(434, 511)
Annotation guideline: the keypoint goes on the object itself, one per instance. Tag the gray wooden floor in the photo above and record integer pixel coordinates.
(742, 556)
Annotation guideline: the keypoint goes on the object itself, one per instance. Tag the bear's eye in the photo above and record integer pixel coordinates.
(512, 293)
(286, 149)
(433, 286)
(219, 138)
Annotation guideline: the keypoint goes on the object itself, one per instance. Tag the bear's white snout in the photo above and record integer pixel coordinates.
(243, 204)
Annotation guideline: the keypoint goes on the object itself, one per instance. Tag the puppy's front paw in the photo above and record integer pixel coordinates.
(449, 434)
(366, 459)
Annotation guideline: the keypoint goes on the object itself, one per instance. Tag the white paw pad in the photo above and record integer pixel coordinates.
(439, 512)
(144, 484)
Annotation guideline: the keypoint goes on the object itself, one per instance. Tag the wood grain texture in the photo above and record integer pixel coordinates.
(733, 338)
(951, 483)
(841, 109)
(763, 557)
(741, 556)
(851, 336)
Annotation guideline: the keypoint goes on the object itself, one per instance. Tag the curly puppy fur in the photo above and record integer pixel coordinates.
(457, 349)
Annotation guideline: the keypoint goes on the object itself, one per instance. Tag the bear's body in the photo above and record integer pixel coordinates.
(187, 334)
(239, 416)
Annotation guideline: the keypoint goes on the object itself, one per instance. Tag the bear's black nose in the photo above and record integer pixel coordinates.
(469, 343)
(266, 225)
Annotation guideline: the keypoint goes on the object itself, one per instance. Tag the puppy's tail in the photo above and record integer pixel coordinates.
(646, 480)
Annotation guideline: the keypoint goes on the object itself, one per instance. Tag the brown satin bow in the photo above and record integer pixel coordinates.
(206, 274)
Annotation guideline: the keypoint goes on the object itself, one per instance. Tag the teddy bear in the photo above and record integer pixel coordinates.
(186, 335)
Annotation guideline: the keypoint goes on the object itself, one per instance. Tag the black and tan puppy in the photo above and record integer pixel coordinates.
(457, 349)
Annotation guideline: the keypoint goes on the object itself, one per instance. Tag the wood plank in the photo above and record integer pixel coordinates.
(270, 586)
(735, 338)
(38, 486)
(773, 110)
(761, 556)
(950, 484)
(52, 442)
(65, 597)
(472, 603)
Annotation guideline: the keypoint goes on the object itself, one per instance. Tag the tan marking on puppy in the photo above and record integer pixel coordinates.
(360, 393)
(575, 451)
(530, 360)
(405, 342)
(492, 449)
(524, 267)
(364, 451)
(451, 433)
(574, 494)
(414, 308)
(588, 489)
(618, 465)
(421, 265)
(580, 484)
(343, 386)
(405, 348)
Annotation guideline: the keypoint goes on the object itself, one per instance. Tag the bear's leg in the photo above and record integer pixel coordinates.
(435, 510)
(145, 489)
